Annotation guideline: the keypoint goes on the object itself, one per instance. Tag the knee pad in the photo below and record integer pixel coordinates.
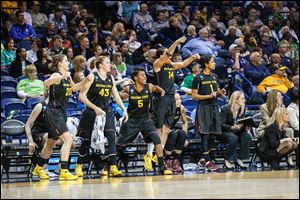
(155, 138)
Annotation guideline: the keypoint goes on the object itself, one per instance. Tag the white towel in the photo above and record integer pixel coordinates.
(98, 140)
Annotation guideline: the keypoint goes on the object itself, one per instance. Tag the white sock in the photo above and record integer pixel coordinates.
(150, 148)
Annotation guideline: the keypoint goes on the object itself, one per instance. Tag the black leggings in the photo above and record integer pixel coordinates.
(176, 139)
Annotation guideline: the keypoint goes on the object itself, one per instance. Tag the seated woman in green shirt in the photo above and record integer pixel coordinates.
(30, 87)
(8, 54)
(187, 82)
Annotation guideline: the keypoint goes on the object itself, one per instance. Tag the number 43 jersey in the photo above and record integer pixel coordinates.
(100, 91)
(139, 102)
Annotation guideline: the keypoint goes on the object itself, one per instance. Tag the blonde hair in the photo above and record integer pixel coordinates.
(99, 61)
(271, 102)
(29, 69)
(277, 116)
(115, 56)
(116, 30)
(77, 61)
(233, 98)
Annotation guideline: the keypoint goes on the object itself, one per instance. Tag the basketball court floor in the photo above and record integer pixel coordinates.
(232, 185)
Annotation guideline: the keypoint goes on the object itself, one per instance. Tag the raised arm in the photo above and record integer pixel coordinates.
(186, 62)
(162, 60)
(78, 86)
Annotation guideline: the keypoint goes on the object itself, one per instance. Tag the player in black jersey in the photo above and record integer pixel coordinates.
(96, 95)
(164, 107)
(139, 95)
(206, 90)
(60, 86)
(177, 137)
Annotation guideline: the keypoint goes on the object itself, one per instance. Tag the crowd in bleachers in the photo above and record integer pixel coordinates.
(255, 45)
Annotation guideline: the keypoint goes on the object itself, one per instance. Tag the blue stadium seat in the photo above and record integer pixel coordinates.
(4, 73)
(9, 83)
(10, 104)
(190, 104)
(8, 94)
(22, 117)
(21, 77)
(7, 89)
(25, 44)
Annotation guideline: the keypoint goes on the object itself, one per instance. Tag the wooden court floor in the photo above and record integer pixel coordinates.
(264, 184)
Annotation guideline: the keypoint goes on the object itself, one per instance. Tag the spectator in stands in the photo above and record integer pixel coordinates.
(190, 33)
(49, 33)
(126, 10)
(275, 144)
(217, 14)
(267, 45)
(206, 90)
(138, 55)
(132, 42)
(123, 49)
(150, 57)
(39, 20)
(255, 71)
(66, 40)
(110, 46)
(236, 62)
(179, 73)
(31, 54)
(215, 31)
(172, 33)
(295, 81)
(199, 45)
(79, 65)
(181, 24)
(142, 17)
(278, 80)
(30, 87)
(187, 82)
(83, 16)
(59, 18)
(84, 46)
(57, 46)
(186, 14)
(22, 31)
(118, 33)
(293, 46)
(285, 60)
(118, 61)
(231, 37)
(244, 52)
(8, 54)
(69, 53)
(17, 67)
(272, 32)
(293, 110)
(162, 22)
(234, 133)
(43, 62)
(286, 29)
(250, 41)
(22, 6)
(93, 35)
(97, 52)
(82, 28)
(74, 12)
